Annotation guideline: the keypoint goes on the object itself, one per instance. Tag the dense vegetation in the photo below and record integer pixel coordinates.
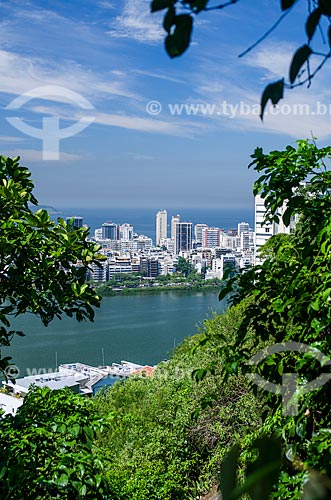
(160, 446)
(290, 308)
(46, 449)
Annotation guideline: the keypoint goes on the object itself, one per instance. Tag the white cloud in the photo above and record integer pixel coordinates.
(152, 125)
(21, 73)
(159, 76)
(137, 23)
(106, 5)
(275, 59)
(142, 157)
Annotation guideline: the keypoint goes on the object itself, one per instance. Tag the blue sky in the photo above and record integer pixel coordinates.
(111, 54)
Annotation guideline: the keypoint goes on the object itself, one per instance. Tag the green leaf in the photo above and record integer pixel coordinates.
(316, 304)
(82, 490)
(287, 216)
(3, 471)
(199, 374)
(274, 91)
(63, 480)
(299, 58)
(286, 4)
(75, 429)
(169, 19)
(179, 41)
(312, 22)
(157, 5)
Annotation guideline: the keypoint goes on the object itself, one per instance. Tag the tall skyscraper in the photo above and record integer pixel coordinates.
(183, 237)
(174, 220)
(75, 221)
(110, 231)
(161, 226)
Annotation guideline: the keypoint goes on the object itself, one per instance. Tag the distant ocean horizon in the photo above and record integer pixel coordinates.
(143, 219)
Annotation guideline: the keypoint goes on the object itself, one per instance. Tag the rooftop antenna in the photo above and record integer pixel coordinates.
(103, 356)
(55, 360)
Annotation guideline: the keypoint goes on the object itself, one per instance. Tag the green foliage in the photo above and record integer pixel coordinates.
(47, 449)
(42, 264)
(184, 279)
(184, 267)
(287, 300)
(262, 474)
(159, 446)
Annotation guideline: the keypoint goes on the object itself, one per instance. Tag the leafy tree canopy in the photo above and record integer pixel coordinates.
(47, 449)
(42, 263)
(184, 267)
(306, 62)
(288, 301)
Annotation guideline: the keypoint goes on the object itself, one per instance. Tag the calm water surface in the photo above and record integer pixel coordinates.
(138, 328)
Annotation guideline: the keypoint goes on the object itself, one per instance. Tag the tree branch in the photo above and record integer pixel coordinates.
(266, 34)
(222, 6)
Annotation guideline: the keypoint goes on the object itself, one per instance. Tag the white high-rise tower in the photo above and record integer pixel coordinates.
(161, 226)
(174, 221)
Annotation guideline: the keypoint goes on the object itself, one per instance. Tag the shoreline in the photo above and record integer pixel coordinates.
(109, 292)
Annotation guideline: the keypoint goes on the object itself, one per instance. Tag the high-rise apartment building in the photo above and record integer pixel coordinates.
(110, 231)
(264, 231)
(243, 227)
(211, 237)
(161, 226)
(183, 241)
(126, 232)
(245, 241)
(198, 228)
(174, 220)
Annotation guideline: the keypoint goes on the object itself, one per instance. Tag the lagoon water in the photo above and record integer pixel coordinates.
(139, 328)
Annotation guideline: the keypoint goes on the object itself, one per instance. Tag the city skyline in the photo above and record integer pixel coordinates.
(111, 54)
